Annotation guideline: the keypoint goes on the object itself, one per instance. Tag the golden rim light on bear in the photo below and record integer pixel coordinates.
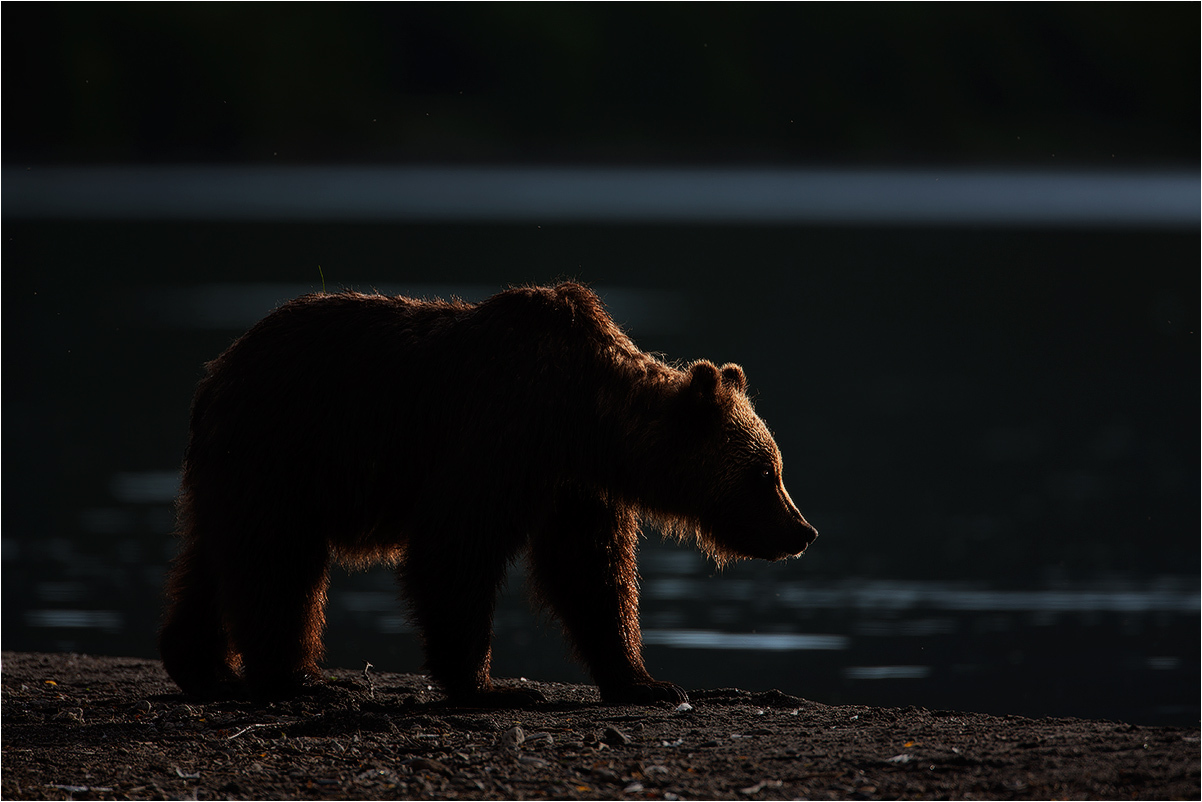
(446, 438)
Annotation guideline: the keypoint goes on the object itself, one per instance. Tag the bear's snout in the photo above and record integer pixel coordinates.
(798, 540)
(799, 534)
(772, 542)
(793, 541)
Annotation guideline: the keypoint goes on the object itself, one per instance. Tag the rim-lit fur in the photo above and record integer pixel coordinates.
(446, 438)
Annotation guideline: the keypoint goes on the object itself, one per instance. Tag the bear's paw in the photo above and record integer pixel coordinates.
(497, 698)
(644, 693)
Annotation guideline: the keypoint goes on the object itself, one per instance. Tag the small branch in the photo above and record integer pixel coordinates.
(371, 684)
(249, 728)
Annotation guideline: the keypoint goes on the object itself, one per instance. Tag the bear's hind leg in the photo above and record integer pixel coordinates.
(274, 607)
(451, 599)
(583, 568)
(193, 644)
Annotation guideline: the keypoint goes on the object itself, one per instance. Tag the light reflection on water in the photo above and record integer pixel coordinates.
(767, 641)
(101, 592)
(891, 595)
(105, 620)
(807, 636)
(887, 672)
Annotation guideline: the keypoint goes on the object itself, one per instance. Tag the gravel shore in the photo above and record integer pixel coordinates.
(83, 727)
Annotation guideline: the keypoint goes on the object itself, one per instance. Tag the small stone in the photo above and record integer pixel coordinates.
(513, 737)
(755, 789)
(605, 775)
(615, 737)
(181, 712)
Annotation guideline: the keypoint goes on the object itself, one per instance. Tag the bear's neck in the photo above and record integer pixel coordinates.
(633, 431)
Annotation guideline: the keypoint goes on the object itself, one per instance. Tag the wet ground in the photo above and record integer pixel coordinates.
(81, 727)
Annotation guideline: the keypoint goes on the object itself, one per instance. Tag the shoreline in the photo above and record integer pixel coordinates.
(84, 727)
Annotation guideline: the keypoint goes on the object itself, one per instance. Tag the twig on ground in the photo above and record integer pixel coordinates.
(250, 727)
(371, 684)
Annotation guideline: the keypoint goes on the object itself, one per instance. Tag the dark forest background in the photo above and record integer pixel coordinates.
(1037, 84)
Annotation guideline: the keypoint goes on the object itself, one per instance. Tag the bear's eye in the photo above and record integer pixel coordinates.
(766, 473)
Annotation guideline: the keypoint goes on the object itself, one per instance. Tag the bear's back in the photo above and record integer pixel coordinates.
(335, 391)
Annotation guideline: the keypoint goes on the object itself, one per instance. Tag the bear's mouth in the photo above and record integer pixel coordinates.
(794, 545)
(743, 542)
(776, 549)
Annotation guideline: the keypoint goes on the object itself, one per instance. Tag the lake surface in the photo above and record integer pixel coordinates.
(995, 430)
(1122, 649)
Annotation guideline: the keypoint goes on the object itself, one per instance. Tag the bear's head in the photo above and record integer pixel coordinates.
(728, 485)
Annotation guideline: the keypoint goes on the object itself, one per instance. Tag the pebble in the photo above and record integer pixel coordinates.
(181, 712)
(513, 737)
(755, 789)
(615, 737)
(605, 775)
(70, 714)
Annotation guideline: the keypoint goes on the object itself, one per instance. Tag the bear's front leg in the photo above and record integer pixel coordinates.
(583, 567)
(452, 593)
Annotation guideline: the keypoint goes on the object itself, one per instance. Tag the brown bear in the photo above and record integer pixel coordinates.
(447, 439)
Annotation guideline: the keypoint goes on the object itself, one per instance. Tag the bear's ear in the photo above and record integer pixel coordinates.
(734, 377)
(704, 378)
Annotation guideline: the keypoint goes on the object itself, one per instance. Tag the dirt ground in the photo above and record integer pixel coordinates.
(81, 727)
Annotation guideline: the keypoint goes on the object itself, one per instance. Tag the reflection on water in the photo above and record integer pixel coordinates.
(635, 195)
(104, 620)
(887, 672)
(145, 487)
(1124, 649)
(905, 596)
(745, 641)
(1047, 482)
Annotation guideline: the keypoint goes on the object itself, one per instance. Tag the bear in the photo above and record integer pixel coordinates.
(448, 439)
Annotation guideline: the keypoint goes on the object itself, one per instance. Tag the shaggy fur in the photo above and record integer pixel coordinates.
(447, 438)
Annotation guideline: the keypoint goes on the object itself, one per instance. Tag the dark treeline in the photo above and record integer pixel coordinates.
(1043, 85)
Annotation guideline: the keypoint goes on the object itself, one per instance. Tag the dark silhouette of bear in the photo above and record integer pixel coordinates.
(448, 438)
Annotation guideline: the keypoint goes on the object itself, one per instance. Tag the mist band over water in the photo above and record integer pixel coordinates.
(605, 195)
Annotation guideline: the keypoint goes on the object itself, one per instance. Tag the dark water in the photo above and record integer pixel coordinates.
(996, 432)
